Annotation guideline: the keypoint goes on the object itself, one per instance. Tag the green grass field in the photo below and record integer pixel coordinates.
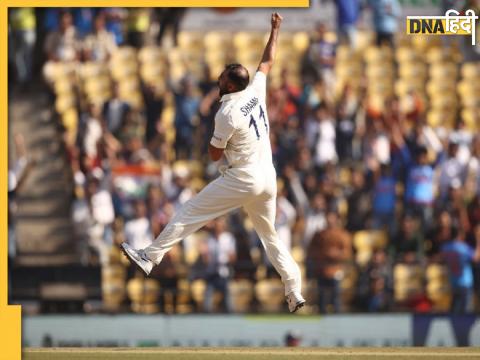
(251, 353)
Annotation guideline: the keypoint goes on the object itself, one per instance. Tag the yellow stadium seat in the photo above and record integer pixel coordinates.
(301, 41)
(151, 54)
(444, 71)
(270, 294)
(241, 292)
(470, 70)
(190, 39)
(124, 54)
(218, 40)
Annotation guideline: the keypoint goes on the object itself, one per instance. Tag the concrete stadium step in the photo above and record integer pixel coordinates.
(44, 229)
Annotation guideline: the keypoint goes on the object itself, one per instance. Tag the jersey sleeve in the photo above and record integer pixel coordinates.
(259, 84)
(223, 131)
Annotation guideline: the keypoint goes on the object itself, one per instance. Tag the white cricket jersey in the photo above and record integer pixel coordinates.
(242, 127)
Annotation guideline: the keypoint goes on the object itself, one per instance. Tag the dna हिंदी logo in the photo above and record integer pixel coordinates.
(451, 24)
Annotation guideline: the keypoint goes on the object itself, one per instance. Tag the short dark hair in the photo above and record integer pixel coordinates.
(238, 75)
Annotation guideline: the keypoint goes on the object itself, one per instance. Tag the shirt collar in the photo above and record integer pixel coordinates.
(232, 96)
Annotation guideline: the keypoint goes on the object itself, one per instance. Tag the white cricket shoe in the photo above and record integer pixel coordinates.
(295, 301)
(139, 257)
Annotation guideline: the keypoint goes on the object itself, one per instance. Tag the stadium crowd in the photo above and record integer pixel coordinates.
(376, 202)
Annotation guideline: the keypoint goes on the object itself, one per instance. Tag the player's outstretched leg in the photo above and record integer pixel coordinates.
(217, 198)
(262, 215)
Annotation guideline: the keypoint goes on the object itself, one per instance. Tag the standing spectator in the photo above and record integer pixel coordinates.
(138, 230)
(187, 104)
(322, 136)
(169, 18)
(345, 132)
(218, 255)
(101, 206)
(23, 23)
(286, 215)
(473, 169)
(408, 244)
(115, 112)
(386, 14)
(384, 199)
(138, 26)
(99, 45)
(315, 218)
(63, 45)
(419, 178)
(348, 12)
(452, 171)
(379, 276)
(329, 251)
(115, 18)
(458, 257)
(83, 18)
(320, 57)
(359, 202)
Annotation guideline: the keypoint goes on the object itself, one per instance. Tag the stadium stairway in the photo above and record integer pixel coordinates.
(44, 227)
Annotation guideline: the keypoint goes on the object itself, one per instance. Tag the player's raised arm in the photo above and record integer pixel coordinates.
(269, 53)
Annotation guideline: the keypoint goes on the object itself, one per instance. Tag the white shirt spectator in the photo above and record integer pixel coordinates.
(325, 150)
(220, 251)
(284, 220)
(138, 233)
(93, 134)
(102, 207)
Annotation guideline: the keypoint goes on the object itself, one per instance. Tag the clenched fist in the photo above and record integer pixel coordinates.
(276, 20)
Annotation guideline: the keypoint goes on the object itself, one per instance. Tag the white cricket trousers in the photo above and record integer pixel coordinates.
(253, 189)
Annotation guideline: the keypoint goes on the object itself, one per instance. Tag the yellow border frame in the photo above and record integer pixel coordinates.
(10, 316)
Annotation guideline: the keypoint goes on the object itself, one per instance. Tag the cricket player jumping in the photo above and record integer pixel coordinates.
(242, 134)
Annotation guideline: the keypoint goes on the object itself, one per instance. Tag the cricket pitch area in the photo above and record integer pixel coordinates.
(250, 353)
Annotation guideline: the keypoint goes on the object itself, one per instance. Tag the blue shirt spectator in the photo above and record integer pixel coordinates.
(347, 12)
(458, 257)
(83, 20)
(385, 15)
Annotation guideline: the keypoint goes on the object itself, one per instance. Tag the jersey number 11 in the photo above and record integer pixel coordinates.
(254, 122)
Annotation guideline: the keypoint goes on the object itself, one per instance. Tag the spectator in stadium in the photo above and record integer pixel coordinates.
(441, 233)
(386, 15)
(23, 24)
(115, 112)
(320, 57)
(102, 214)
(286, 216)
(345, 132)
(328, 253)
(359, 202)
(452, 171)
(187, 104)
(419, 177)
(473, 169)
(407, 245)
(380, 282)
(348, 12)
(384, 199)
(115, 22)
(458, 256)
(83, 19)
(63, 44)
(138, 25)
(218, 254)
(99, 45)
(138, 231)
(315, 218)
(320, 131)
(93, 135)
(169, 18)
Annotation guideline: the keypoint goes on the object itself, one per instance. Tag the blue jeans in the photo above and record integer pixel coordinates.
(462, 300)
(329, 293)
(216, 282)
